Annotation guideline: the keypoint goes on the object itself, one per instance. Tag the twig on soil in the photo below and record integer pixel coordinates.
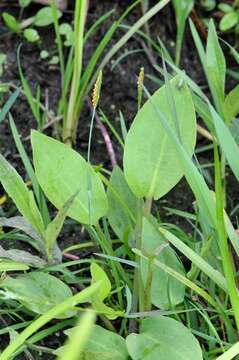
(106, 137)
(71, 256)
(205, 133)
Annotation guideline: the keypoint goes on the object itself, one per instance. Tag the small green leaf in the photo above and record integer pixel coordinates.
(98, 274)
(226, 8)
(12, 266)
(38, 292)
(54, 228)
(31, 35)
(151, 164)
(97, 299)
(165, 290)
(165, 339)
(22, 197)
(11, 22)
(216, 66)
(61, 173)
(231, 105)
(228, 21)
(44, 16)
(44, 54)
(24, 3)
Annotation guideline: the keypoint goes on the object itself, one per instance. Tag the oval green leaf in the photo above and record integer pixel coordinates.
(62, 172)
(38, 292)
(151, 163)
(165, 339)
(166, 291)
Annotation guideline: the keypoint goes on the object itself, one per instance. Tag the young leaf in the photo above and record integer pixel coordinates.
(216, 66)
(151, 163)
(54, 228)
(38, 292)
(12, 266)
(62, 172)
(102, 345)
(182, 10)
(231, 105)
(122, 204)
(97, 299)
(22, 197)
(165, 290)
(165, 339)
(44, 16)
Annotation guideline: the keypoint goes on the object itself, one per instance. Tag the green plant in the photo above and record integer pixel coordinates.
(42, 18)
(146, 297)
(230, 17)
(76, 82)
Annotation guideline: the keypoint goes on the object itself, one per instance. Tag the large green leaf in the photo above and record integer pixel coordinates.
(101, 345)
(39, 292)
(19, 193)
(62, 172)
(166, 291)
(165, 339)
(151, 162)
(122, 204)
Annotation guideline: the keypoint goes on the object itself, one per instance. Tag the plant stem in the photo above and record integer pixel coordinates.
(69, 129)
(147, 289)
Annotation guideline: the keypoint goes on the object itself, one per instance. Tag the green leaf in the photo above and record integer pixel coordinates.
(102, 345)
(166, 292)
(182, 10)
(231, 104)
(226, 142)
(19, 193)
(38, 292)
(44, 16)
(24, 3)
(226, 8)
(12, 266)
(234, 129)
(11, 22)
(62, 172)
(165, 339)
(97, 299)
(54, 228)
(122, 204)
(151, 163)
(228, 21)
(31, 35)
(78, 337)
(215, 66)
(196, 259)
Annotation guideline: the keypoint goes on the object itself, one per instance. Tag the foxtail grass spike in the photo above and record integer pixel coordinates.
(96, 90)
